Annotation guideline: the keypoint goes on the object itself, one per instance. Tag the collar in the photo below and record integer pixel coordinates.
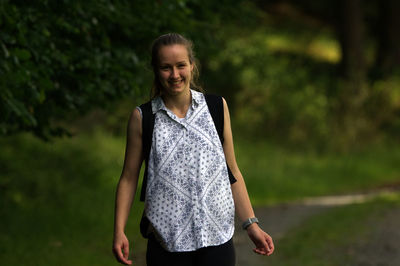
(157, 103)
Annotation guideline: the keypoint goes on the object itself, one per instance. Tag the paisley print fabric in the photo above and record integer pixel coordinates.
(188, 199)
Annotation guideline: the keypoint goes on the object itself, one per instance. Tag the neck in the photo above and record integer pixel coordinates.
(178, 104)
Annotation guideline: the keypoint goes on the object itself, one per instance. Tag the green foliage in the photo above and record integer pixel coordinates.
(280, 95)
(285, 87)
(383, 105)
(60, 59)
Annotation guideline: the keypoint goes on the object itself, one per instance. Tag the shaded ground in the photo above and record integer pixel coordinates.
(380, 247)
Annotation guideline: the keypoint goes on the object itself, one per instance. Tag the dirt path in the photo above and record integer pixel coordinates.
(382, 247)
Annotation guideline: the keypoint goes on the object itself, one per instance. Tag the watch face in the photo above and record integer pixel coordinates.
(249, 222)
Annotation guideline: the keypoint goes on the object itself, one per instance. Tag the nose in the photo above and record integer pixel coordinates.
(174, 73)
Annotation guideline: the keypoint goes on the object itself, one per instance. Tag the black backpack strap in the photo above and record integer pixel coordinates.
(147, 135)
(216, 108)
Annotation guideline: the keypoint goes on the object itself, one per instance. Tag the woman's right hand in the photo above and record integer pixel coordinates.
(121, 248)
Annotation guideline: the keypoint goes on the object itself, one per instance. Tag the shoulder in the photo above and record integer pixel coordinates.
(225, 104)
(224, 101)
(136, 113)
(135, 118)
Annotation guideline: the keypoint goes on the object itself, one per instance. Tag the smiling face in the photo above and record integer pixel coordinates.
(174, 69)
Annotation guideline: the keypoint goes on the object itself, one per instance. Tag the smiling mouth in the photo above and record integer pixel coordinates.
(174, 83)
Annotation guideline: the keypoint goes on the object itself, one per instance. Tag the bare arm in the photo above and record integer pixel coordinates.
(244, 210)
(127, 185)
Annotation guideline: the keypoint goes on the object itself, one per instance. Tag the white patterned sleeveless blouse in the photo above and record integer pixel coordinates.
(188, 199)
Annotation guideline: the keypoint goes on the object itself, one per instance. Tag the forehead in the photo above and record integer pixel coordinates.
(173, 53)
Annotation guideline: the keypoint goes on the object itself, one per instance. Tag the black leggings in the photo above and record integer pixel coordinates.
(222, 255)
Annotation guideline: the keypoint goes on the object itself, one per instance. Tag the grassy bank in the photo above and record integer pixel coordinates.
(57, 200)
(274, 174)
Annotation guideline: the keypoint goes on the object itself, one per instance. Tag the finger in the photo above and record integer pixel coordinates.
(264, 245)
(259, 251)
(126, 250)
(263, 248)
(120, 257)
(270, 245)
(126, 254)
(269, 252)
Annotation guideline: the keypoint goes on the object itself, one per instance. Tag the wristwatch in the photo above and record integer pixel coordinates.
(249, 222)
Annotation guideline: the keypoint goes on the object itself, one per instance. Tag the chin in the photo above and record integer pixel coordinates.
(177, 90)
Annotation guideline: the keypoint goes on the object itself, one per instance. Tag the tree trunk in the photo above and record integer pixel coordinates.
(388, 53)
(350, 29)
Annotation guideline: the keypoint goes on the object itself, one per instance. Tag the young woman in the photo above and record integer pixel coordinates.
(194, 185)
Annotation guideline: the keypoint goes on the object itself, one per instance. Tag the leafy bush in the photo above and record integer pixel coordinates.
(59, 59)
(297, 99)
(278, 94)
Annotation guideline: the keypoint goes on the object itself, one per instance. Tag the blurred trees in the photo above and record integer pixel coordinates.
(350, 31)
(297, 70)
(388, 43)
(360, 91)
(356, 24)
(60, 59)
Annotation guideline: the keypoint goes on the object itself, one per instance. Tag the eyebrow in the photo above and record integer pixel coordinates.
(167, 64)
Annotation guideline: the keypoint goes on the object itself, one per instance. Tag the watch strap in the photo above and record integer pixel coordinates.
(249, 222)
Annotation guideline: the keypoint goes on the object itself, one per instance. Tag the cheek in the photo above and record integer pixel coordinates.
(187, 73)
(162, 76)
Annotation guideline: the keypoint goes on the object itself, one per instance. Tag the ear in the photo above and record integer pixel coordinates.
(191, 67)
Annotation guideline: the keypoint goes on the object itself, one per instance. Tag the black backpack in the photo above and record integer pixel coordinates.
(216, 108)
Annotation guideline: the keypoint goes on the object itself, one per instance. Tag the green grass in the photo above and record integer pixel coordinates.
(57, 199)
(274, 174)
(328, 239)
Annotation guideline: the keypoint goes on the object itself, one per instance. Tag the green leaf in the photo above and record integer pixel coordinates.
(22, 54)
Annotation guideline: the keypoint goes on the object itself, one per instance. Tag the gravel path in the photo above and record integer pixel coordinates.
(382, 245)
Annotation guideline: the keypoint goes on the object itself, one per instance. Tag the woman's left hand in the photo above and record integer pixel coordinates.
(263, 241)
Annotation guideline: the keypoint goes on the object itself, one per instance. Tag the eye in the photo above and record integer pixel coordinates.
(182, 65)
(164, 68)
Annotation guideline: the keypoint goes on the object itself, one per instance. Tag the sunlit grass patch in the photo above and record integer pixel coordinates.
(275, 174)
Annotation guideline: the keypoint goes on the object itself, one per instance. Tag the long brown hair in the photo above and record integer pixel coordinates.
(171, 39)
